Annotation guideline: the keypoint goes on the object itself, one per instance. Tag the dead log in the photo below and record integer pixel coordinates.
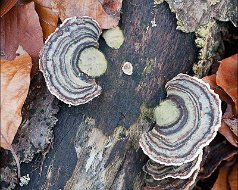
(96, 145)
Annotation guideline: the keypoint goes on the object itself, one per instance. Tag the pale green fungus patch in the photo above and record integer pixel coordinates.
(114, 37)
(92, 62)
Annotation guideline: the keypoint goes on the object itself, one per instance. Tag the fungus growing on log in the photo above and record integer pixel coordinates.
(114, 37)
(171, 183)
(160, 171)
(70, 60)
(127, 68)
(186, 122)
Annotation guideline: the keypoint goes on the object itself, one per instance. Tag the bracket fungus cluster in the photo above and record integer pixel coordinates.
(160, 171)
(186, 122)
(171, 183)
(70, 61)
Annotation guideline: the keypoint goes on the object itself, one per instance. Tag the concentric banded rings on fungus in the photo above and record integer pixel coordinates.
(59, 61)
(179, 137)
(160, 171)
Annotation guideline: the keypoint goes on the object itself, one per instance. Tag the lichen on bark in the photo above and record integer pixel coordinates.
(192, 14)
(211, 47)
(201, 17)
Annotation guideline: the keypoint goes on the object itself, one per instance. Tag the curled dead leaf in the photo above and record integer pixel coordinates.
(48, 17)
(227, 132)
(214, 154)
(233, 124)
(105, 12)
(229, 113)
(227, 178)
(227, 78)
(20, 26)
(15, 81)
(224, 83)
(233, 177)
(221, 182)
(6, 5)
(211, 80)
(229, 129)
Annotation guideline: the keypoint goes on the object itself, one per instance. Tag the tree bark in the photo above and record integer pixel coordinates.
(96, 145)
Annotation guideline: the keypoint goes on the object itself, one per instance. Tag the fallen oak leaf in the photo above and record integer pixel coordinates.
(20, 26)
(105, 12)
(226, 78)
(15, 81)
(48, 17)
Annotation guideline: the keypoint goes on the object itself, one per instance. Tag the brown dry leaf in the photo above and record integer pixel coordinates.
(229, 81)
(105, 12)
(15, 81)
(221, 182)
(20, 26)
(48, 17)
(6, 5)
(211, 80)
(233, 124)
(215, 153)
(233, 178)
(227, 78)
(229, 113)
(227, 132)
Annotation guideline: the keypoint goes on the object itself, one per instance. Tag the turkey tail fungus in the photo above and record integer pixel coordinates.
(70, 61)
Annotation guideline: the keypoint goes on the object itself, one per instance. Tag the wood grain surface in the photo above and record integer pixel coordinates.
(105, 131)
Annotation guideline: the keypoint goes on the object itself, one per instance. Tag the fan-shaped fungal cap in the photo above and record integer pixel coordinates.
(160, 171)
(171, 183)
(63, 65)
(186, 122)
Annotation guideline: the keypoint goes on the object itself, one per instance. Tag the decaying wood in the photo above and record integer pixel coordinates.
(96, 145)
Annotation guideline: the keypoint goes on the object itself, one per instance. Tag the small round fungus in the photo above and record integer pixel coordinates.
(113, 37)
(127, 68)
(186, 122)
(70, 60)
